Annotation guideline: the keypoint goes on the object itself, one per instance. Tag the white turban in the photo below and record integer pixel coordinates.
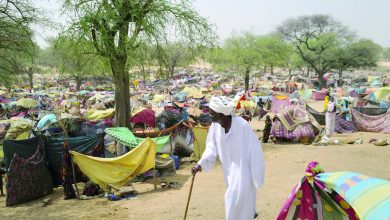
(221, 104)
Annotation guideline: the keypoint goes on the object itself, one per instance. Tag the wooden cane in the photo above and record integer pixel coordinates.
(189, 197)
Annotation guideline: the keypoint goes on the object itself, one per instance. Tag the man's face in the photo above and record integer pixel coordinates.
(216, 117)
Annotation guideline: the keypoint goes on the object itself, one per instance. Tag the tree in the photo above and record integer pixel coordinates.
(272, 50)
(238, 54)
(76, 58)
(386, 54)
(175, 55)
(363, 53)
(27, 64)
(316, 39)
(117, 27)
(16, 40)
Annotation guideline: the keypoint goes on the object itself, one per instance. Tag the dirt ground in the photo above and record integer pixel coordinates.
(285, 165)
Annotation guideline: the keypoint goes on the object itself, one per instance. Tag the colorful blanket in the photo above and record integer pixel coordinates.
(369, 197)
(339, 195)
(311, 199)
(344, 126)
(377, 123)
(293, 116)
(279, 103)
(127, 138)
(120, 170)
(304, 130)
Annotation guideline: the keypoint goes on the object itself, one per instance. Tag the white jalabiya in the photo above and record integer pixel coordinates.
(330, 119)
(242, 160)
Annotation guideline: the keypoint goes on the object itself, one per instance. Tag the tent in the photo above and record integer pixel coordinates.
(381, 95)
(279, 102)
(371, 123)
(126, 167)
(28, 178)
(319, 95)
(93, 145)
(294, 123)
(338, 195)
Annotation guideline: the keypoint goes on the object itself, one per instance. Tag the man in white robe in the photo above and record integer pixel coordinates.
(232, 139)
(330, 117)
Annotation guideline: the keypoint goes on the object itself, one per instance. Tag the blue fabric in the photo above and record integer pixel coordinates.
(46, 120)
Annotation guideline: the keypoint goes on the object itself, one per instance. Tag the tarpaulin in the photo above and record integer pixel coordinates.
(28, 179)
(24, 148)
(54, 147)
(200, 136)
(120, 170)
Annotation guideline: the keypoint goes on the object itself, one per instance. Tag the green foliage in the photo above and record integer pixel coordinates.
(15, 37)
(386, 54)
(317, 40)
(176, 55)
(273, 51)
(363, 53)
(117, 28)
(76, 58)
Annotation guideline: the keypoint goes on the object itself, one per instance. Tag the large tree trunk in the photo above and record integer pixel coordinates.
(289, 73)
(307, 71)
(341, 77)
(321, 79)
(272, 69)
(246, 78)
(122, 93)
(78, 83)
(265, 69)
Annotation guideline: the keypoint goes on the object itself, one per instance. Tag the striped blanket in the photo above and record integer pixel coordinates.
(344, 126)
(377, 123)
(304, 130)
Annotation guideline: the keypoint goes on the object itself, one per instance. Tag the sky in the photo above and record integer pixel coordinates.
(367, 18)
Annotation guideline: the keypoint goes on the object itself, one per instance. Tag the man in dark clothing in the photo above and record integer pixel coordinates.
(267, 129)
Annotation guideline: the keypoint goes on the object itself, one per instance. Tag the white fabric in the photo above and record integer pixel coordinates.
(243, 165)
(221, 104)
(330, 121)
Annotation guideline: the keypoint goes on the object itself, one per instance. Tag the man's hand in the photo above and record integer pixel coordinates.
(196, 168)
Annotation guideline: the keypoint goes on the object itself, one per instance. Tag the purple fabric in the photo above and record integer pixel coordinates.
(278, 104)
(344, 126)
(376, 123)
(146, 116)
(301, 131)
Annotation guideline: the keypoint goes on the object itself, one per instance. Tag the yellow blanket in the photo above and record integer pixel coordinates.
(120, 170)
(100, 114)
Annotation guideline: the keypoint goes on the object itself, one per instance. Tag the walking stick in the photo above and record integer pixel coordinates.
(189, 197)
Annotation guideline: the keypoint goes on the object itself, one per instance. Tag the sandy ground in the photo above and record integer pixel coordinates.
(285, 165)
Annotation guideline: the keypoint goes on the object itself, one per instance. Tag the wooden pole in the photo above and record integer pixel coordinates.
(74, 178)
(154, 178)
(189, 197)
